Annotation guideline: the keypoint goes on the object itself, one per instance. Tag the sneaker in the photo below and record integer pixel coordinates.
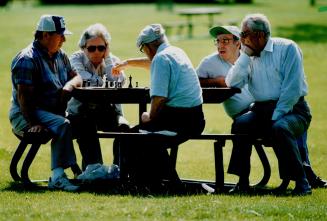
(93, 172)
(62, 183)
(317, 182)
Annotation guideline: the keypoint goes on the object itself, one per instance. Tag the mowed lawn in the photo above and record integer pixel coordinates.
(294, 19)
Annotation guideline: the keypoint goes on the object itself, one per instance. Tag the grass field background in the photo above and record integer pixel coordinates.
(294, 19)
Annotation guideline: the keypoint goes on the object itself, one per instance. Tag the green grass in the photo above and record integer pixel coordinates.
(293, 19)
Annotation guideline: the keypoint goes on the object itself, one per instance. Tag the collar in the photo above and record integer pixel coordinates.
(163, 46)
(43, 50)
(269, 46)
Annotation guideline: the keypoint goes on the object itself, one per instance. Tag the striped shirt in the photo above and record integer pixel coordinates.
(33, 66)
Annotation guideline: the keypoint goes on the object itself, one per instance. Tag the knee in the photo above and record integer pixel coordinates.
(65, 126)
(280, 128)
(239, 126)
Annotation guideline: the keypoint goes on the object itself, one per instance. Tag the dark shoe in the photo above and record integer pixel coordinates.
(301, 191)
(318, 183)
(240, 189)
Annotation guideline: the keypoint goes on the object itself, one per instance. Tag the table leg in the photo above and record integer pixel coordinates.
(190, 26)
(142, 108)
(210, 24)
(219, 165)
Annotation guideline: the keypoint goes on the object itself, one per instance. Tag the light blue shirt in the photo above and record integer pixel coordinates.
(278, 74)
(213, 66)
(174, 77)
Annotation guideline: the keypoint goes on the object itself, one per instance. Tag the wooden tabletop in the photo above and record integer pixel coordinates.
(142, 95)
(199, 11)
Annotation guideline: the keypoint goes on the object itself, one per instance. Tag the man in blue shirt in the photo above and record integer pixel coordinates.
(176, 104)
(42, 80)
(212, 71)
(273, 70)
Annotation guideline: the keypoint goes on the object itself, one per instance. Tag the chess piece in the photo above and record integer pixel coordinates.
(136, 84)
(88, 82)
(84, 83)
(107, 84)
(130, 82)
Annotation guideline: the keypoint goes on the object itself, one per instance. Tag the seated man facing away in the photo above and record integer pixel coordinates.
(42, 79)
(94, 62)
(212, 71)
(176, 104)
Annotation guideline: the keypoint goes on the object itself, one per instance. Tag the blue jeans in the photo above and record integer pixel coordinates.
(303, 148)
(62, 149)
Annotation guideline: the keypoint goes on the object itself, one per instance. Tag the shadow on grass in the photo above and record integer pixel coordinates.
(304, 33)
(118, 188)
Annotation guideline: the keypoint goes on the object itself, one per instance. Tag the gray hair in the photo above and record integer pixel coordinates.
(257, 22)
(94, 31)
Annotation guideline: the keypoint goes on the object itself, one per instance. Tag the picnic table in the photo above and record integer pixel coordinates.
(141, 97)
(199, 11)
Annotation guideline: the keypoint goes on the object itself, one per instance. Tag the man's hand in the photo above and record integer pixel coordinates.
(68, 87)
(145, 117)
(35, 128)
(119, 66)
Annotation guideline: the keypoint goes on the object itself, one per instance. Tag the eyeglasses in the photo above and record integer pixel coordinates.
(92, 48)
(223, 41)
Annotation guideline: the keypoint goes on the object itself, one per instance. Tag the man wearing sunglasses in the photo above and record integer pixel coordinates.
(212, 71)
(94, 62)
(42, 80)
(273, 70)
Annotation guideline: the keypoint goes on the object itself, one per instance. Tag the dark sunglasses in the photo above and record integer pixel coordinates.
(101, 48)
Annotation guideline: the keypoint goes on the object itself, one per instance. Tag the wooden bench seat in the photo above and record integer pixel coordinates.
(35, 140)
(219, 143)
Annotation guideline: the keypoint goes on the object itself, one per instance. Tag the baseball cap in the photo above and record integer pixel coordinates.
(52, 23)
(150, 33)
(225, 30)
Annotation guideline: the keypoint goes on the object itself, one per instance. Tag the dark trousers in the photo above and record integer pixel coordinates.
(85, 127)
(283, 132)
(85, 133)
(147, 160)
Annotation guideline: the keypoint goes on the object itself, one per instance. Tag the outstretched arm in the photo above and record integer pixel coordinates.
(132, 62)
(213, 82)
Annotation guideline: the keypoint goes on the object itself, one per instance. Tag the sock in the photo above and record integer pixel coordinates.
(57, 172)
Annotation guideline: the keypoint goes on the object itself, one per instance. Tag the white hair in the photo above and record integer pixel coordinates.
(257, 22)
(94, 31)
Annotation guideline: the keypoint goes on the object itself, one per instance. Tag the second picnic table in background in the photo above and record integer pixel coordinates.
(190, 12)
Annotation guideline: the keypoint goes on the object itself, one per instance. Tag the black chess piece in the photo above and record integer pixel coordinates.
(107, 84)
(84, 83)
(136, 84)
(88, 82)
(130, 82)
